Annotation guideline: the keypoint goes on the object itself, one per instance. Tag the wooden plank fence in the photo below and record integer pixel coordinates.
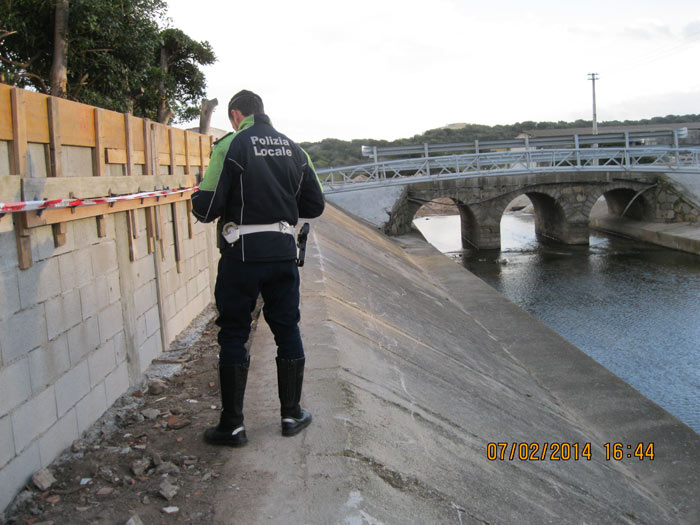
(127, 155)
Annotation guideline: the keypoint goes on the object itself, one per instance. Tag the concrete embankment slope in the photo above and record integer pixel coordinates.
(413, 367)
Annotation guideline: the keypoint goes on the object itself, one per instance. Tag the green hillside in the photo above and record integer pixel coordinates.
(335, 152)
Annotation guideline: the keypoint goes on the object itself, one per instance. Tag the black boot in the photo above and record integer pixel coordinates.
(230, 430)
(290, 376)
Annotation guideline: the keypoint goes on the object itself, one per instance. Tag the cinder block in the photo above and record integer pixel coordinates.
(101, 362)
(9, 293)
(39, 283)
(169, 306)
(140, 334)
(188, 248)
(144, 299)
(171, 281)
(48, 363)
(102, 292)
(104, 257)
(32, 418)
(62, 313)
(117, 383)
(152, 318)
(176, 324)
(180, 298)
(7, 441)
(22, 332)
(115, 293)
(83, 267)
(17, 472)
(143, 270)
(71, 387)
(15, 385)
(91, 407)
(85, 232)
(111, 322)
(88, 300)
(120, 347)
(67, 271)
(202, 281)
(191, 290)
(82, 339)
(8, 245)
(42, 243)
(149, 351)
(75, 269)
(58, 438)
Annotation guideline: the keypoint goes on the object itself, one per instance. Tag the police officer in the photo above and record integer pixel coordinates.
(258, 184)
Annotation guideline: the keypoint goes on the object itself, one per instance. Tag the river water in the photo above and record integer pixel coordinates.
(631, 306)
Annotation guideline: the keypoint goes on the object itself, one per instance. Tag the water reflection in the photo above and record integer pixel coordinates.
(633, 307)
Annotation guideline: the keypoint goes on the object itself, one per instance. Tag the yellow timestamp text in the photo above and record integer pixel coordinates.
(565, 451)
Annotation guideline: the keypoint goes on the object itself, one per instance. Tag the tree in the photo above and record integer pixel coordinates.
(180, 82)
(59, 65)
(113, 54)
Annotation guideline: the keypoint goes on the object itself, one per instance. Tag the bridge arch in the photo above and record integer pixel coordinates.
(632, 203)
(562, 204)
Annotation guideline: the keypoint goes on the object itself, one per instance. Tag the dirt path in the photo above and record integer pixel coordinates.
(147, 446)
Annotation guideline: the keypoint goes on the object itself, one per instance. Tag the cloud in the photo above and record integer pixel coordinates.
(674, 103)
(647, 31)
(692, 29)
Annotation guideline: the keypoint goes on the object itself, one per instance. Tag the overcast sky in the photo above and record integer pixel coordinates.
(388, 69)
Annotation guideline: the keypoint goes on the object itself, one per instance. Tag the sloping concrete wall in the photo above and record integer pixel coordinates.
(414, 366)
(82, 324)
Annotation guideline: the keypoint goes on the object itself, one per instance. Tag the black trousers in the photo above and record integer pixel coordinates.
(237, 287)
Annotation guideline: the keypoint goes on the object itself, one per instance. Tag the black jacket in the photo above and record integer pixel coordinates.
(263, 178)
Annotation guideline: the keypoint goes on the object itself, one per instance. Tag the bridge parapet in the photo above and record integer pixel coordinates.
(656, 159)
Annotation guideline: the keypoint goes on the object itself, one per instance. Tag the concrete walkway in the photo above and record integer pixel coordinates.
(413, 367)
(681, 236)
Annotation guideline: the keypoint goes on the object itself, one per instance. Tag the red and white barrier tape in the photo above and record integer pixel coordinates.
(10, 207)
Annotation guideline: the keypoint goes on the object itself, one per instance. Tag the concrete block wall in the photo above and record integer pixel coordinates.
(82, 324)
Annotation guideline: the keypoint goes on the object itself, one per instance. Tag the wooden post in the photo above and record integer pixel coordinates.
(190, 228)
(176, 236)
(147, 151)
(160, 229)
(18, 159)
(59, 234)
(54, 138)
(24, 244)
(187, 153)
(171, 143)
(201, 155)
(55, 161)
(129, 145)
(131, 231)
(155, 154)
(98, 165)
(101, 226)
(19, 133)
(150, 230)
(99, 154)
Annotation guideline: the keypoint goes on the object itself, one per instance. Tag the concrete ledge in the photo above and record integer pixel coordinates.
(681, 236)
(413, 367)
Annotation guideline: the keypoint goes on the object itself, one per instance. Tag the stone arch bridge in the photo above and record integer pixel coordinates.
(562, 202)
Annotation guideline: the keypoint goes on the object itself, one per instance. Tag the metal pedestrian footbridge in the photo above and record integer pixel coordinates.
(611, 152)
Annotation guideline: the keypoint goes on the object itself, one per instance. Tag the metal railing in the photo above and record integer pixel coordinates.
(530, 161)
(626, 138)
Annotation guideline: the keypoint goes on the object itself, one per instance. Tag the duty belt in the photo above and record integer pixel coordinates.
(232, 231)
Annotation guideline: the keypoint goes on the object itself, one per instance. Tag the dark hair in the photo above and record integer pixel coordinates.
(247, 103)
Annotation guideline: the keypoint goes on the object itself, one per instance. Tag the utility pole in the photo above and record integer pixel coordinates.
(593, 77)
